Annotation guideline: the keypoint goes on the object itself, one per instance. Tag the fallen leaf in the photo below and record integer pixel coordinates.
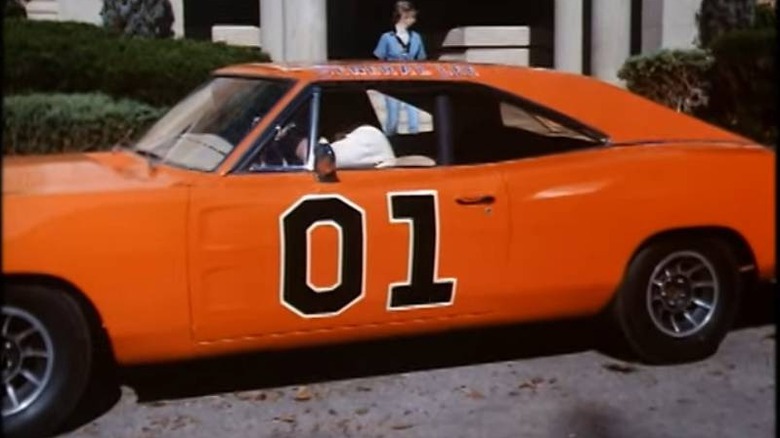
(361, 411)
(290, 418)
(624, 368)
(303, 394)
(363, 388)
(402, 426)
(537, 380)
(471, 393)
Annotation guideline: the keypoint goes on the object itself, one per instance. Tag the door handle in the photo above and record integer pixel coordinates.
(476, 200)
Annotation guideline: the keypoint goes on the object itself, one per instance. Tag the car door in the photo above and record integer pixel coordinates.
(277, 253)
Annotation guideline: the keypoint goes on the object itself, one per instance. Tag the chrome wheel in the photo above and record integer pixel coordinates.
(27, 359)
(682, 294)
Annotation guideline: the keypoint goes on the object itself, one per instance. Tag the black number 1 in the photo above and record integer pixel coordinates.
(421, 289)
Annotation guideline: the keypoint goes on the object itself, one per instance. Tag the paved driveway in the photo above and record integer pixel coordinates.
(547, 380)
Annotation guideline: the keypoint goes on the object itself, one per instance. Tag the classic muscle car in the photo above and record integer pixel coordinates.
(230, 226)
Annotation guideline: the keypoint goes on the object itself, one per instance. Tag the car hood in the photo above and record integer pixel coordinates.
(79, 173)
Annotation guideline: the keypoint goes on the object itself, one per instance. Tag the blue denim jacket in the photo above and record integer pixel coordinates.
(390, 49)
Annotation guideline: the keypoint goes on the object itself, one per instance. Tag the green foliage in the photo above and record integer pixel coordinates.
(52, 123)
(15, 8)
(75, 57)
(674, 78)
(147, 18)
(765, 17)
(744, 86)
(733, 85)
(717, 17)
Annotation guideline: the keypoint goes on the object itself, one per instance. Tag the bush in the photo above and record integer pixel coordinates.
(147, 18)
(718, 17)
(51, 123)
(674, 78)
(743, 92)
(75, 57)
(15, 8)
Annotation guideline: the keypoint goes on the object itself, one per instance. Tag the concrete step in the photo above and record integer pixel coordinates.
(488, 36)
(236, 35)
(510, 56)
(42, 10)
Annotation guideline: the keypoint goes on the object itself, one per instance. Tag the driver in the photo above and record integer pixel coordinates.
(362, 147)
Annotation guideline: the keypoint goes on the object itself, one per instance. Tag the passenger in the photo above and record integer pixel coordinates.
(365, 146)
(362, 147)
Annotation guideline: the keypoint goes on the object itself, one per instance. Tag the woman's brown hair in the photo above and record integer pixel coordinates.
(402, 7)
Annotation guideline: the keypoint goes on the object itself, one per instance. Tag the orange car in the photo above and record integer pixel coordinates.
(274, 207)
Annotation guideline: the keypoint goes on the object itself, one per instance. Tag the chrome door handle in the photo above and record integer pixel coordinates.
(476, 200)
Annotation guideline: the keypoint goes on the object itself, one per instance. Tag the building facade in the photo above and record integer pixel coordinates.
(583, 36)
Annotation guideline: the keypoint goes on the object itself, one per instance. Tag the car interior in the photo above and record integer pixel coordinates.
(480, 133)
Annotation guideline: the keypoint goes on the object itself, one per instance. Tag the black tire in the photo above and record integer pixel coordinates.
(640, 325)
(71, 343)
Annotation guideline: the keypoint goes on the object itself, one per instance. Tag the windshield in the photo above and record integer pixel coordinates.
(201, 130)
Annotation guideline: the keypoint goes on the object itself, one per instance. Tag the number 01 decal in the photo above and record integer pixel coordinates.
(419, 210)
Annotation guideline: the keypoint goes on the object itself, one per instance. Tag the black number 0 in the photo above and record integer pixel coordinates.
(418, 209)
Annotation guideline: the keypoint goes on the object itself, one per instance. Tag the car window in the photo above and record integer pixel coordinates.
(364, 134)
(287, 148)
(512, 116)
(489, 126)
(409, 119)
(201, 130)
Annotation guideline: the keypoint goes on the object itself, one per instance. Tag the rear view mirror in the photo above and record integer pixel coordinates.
(325, 163)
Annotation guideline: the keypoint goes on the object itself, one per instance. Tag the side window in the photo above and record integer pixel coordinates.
(512, 116)
(378, 128)
(489, 127)
(287, 148)
(398, 116)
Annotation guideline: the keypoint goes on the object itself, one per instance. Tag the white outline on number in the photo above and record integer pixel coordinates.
(282, 260)
(309, 231)
(410, 223)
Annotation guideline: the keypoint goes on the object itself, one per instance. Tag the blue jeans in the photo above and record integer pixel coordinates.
(394, 108)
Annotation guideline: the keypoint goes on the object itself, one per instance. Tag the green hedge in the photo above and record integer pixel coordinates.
(675, 78)
(45, 56)
(743, 91)
(732, 85)
(51, 123)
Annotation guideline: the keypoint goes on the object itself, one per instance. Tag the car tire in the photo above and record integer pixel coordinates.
(56, 350)
(678, 299)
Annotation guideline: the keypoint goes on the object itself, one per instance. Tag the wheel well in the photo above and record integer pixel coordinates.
(738, 245)
(101, 339)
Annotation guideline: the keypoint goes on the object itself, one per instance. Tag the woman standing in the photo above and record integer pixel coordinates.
(401, 44)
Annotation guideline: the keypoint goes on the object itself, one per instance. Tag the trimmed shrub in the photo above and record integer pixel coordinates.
(67, 57)
(15, 8)
(52, 123)
(674, 78)
(717, 17)
(147, 18)
(744, 86)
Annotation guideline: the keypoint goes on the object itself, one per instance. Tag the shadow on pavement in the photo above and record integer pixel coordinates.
(365, 359)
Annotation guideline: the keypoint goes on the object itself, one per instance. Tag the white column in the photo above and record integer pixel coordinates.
(680, 30)
(669, 24)
(568, 35)
(272, 28)
(178, 18)
(87, 11)
(305, 31)
(610, 38)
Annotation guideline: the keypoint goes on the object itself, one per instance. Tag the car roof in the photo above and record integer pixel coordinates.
(623, 116)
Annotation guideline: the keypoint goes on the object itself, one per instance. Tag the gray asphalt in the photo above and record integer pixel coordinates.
(542, 381)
